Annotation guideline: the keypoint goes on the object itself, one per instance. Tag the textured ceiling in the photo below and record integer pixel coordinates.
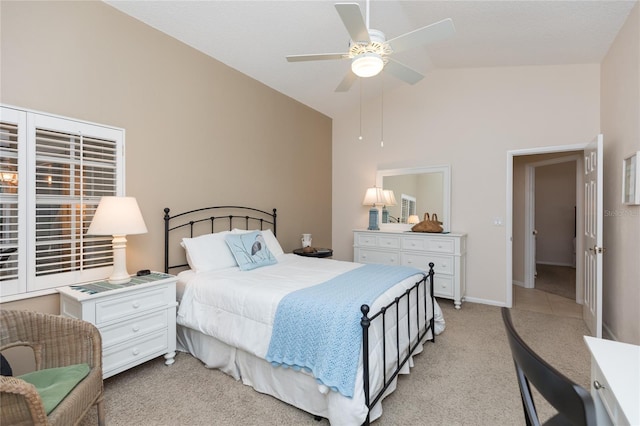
(254, 37)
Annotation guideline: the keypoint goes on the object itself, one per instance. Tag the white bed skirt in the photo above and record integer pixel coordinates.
(293, 387)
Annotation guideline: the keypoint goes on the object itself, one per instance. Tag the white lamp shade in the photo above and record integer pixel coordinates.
(367, 65)
(389, 197)
(373, 197)
(117, 216)
(413, 219)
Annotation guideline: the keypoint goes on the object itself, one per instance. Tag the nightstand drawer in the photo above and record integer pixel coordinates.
(374, 256)
(134, 352)
(442, 264)
(121, 332)
(130, 304)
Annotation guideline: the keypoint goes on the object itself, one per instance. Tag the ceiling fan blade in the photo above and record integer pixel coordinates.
(402, 72)
(347, 82)
(317, 57)
(429, 34)
(354, 22)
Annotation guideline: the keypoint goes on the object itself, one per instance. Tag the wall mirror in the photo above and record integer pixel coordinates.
(417, 191)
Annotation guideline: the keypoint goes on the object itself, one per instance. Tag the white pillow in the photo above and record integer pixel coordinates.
(208, 252)
(269, 238)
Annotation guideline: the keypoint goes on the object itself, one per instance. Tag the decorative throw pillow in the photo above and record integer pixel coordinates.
(272, 241)
(250, 250)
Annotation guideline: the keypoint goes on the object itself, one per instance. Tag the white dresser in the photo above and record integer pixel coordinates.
(137, 320)
(446, 251)
(615, 381)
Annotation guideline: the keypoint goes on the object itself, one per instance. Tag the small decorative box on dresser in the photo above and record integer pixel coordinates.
(137, 320)
(446, 251)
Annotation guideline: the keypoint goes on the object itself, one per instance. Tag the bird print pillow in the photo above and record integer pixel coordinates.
(250, 250)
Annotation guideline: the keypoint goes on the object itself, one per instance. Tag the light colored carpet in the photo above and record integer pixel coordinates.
(465, 378)
(560, 280)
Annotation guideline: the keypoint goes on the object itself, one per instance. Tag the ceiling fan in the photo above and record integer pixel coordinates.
(370, 52)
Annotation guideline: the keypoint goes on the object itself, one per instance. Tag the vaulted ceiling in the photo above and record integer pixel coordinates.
(254, 37)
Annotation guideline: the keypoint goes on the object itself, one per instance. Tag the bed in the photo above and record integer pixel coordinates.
(235, 283)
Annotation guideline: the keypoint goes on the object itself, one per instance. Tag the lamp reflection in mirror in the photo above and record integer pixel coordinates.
(118, 216)
(413, 219)
(374, 197)
(389, 201)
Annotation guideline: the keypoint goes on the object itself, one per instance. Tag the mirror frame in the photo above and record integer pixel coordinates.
(446, 194)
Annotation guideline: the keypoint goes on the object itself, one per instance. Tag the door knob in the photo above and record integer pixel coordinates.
(597, 249)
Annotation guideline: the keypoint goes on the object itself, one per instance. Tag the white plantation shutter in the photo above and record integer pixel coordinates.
(11, 198)
(70, 165)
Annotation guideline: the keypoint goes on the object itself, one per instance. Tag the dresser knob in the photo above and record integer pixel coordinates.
(135, 305)
(136, 328)
(135, 351)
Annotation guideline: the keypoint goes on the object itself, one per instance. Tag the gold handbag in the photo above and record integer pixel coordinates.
(428, 224)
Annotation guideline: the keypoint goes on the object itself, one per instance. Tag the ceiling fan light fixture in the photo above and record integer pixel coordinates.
(367, 65)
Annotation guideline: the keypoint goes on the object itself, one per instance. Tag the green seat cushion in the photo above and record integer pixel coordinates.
(53, 384)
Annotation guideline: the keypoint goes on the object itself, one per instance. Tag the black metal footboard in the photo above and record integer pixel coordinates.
(413, 320)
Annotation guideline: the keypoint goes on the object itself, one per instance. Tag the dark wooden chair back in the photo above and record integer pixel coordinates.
(574, 404)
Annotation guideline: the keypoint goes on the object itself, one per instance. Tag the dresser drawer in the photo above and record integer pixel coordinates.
(442, 264)
(376, 256)
(381, 240)
(443, 286)
(123, 331)
(436, 244)
(129, 304)
(134, 352)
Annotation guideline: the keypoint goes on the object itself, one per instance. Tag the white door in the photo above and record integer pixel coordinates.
(592, 307)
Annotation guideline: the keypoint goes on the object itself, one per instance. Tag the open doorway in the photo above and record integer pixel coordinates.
(547, 201)
(550, 223)
(589, 215)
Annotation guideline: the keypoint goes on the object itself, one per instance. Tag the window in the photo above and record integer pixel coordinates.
(53, 172)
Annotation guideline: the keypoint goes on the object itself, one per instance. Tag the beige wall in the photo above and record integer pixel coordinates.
(468, 118)
(620, 112)
(197, 132)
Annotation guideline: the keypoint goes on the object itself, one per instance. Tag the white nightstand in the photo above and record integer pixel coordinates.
(137, 320)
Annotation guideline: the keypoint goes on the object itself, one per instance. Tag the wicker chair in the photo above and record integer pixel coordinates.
(56, 342)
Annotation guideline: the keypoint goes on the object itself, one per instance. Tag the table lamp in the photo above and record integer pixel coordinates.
(373, 197)
(118, 216)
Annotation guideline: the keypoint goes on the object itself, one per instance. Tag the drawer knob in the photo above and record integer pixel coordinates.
(135, 351)
(598, 385)
(135, 305)
(136, 328)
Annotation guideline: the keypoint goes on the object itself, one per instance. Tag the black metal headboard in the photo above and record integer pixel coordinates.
(203, 221)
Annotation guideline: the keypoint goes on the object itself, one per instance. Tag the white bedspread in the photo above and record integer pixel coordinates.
(238, 308)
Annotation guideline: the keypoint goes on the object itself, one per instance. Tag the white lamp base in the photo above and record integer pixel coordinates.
(119, 274)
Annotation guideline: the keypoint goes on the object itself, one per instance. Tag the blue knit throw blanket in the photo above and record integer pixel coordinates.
(317, 329)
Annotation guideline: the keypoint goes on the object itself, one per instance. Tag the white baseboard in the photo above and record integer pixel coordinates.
(483, 301)
(518, 283)
(607, 333)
